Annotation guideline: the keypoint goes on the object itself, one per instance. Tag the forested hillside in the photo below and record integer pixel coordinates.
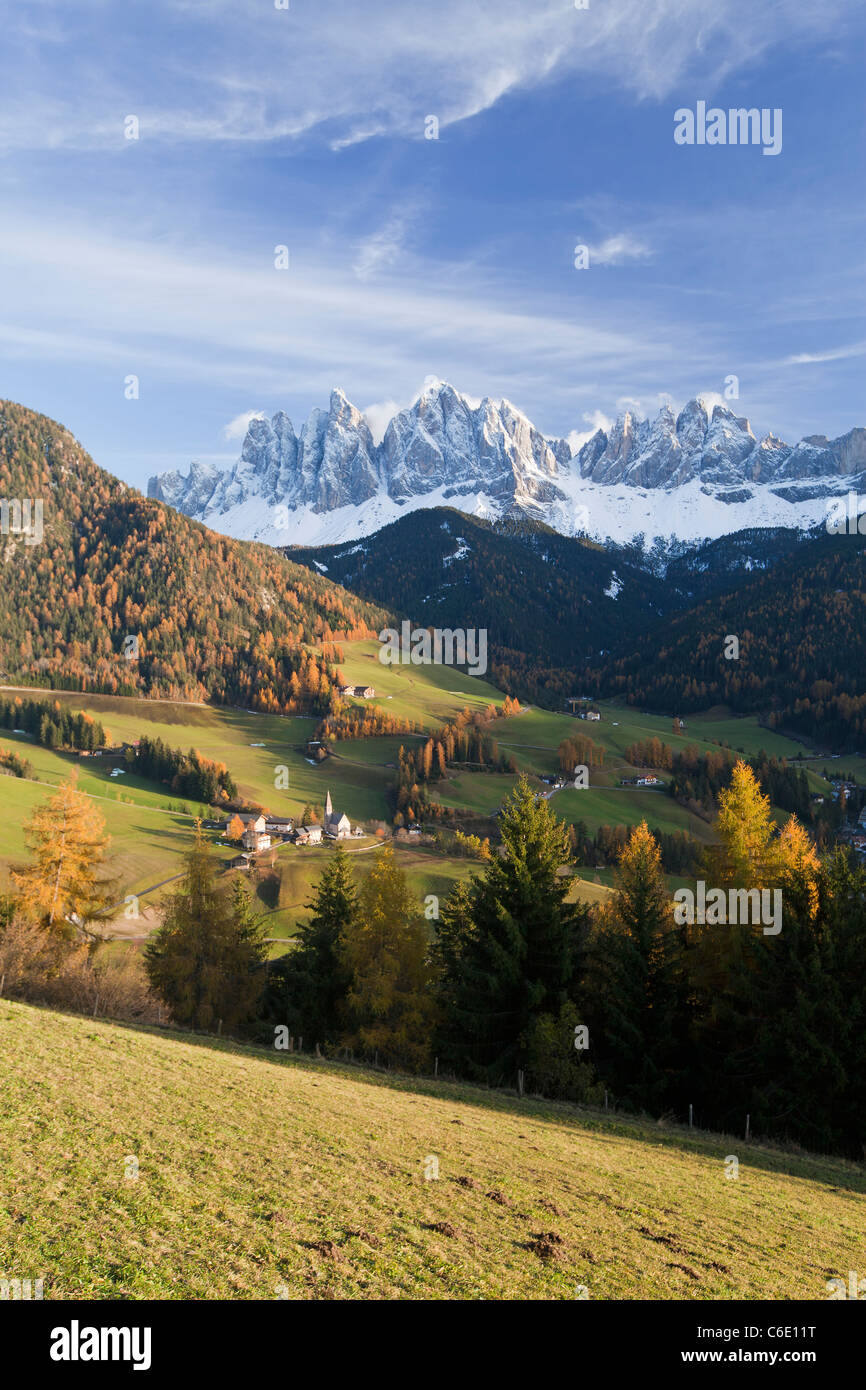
(567, 617)
(549, 603)
(123, 595)
(801, 662)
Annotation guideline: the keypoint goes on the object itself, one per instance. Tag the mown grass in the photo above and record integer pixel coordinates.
(432, 695)
(597, 806)
(263, 1175)
(531, 734)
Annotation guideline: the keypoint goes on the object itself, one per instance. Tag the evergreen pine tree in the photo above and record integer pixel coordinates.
(516, 949)
(637, 963)
(785, 1010)
(307, 988)
(390, 1006)
(207, 960)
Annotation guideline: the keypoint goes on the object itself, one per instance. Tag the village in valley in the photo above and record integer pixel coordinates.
(257, 832)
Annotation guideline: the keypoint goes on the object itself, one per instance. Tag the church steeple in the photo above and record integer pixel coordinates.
(329, 810)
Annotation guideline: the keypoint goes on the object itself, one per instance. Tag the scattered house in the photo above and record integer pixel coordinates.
(337, 824)
(250, 820)
(279, 825)
(358, 692)
(593, 714)
(308, 835)
(256, 840)
(358, 833)
(840, 786)
(649, 781)
(240, 861)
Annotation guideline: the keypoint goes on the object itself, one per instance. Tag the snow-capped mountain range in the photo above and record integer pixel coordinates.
(699, 474)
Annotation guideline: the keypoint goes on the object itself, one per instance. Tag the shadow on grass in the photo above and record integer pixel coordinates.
(839, 1174)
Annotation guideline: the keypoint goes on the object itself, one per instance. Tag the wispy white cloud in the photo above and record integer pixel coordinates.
(237, 428)
(616, 250)
(243, 71)
(379, 414)
(383, 247)
(840, 354)
(152, 309)
(597, 420)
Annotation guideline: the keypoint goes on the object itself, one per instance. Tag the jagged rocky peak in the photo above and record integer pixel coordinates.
(194, 490)
(429, 443)
(443, 440)
(489, 457)
(346, 469)
(711, 445)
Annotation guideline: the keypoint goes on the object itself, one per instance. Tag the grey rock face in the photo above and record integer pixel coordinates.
(444, 441)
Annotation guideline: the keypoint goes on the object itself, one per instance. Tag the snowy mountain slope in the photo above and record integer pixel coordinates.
(700, 474)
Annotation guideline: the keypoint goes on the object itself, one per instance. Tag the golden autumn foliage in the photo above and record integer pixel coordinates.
(746, 830)
(67, 838)
(211, 618)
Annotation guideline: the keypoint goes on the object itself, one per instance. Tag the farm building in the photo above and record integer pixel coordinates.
(279, 825)
(250, 820)
(308, 835)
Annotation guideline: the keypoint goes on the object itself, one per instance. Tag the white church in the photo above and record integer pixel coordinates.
(337, 825)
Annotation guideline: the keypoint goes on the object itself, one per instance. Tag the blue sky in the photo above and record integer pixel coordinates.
(412, 257)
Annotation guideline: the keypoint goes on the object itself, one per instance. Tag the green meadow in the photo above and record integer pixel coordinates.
(266, 1175)
(150, 827)
(430, 695)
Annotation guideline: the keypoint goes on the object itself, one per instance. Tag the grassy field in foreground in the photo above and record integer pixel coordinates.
(259, 1173)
